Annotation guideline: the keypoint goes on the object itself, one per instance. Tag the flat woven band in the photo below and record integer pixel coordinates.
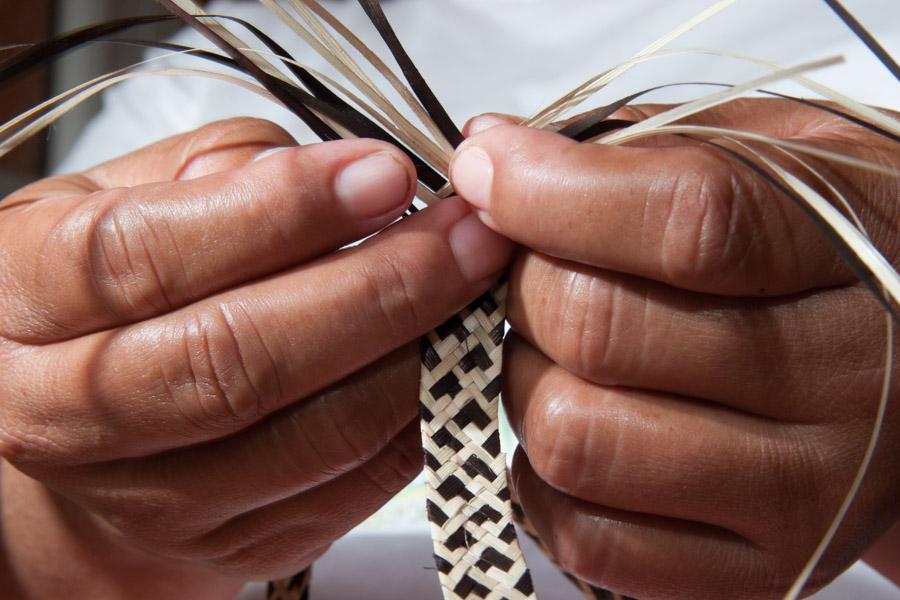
(476, 549)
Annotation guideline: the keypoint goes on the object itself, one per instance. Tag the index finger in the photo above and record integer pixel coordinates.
(688, 216)
(219, 365)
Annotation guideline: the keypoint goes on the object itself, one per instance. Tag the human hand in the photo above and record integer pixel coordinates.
(694, 370)
(197, 387)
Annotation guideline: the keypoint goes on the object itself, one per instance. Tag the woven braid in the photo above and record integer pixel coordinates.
(294, 588)
(476, 549)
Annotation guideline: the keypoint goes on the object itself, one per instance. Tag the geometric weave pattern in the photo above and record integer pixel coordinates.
(476, 549)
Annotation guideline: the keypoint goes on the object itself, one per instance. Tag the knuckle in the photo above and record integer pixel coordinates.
(705, 234)
(126, 256)
(579, 320)
(210, 149)
(220, 373)
(25, 444)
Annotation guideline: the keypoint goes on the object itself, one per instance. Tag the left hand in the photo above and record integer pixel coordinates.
(694, 369)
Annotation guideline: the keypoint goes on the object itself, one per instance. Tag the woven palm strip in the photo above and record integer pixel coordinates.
(476, 549)
(295, 588)
(475, 546)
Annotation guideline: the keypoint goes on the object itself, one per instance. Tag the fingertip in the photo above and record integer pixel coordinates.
(373, 186)
(481, 123)
(480, 252)
(367, 181)
(472, 176)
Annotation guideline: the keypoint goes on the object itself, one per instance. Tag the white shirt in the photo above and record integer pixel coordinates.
(513, 56)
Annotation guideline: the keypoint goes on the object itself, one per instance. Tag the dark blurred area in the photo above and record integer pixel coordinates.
(36, 20)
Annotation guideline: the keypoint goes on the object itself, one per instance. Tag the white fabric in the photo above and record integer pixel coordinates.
(515, 56)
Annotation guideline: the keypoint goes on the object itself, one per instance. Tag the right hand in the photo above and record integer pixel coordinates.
(194, 371)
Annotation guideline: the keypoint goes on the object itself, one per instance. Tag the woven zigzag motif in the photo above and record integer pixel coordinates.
(476, 549)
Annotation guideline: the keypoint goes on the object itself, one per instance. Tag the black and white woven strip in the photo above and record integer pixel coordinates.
(476, 549)
(295, 588)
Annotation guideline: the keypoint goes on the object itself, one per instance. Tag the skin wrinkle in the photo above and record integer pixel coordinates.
(590, 449)
(173, 395)
(119, 279)
(59, 227)
(40, 313)
(605, 318)
(362, 454)
(194, 333)
(716, 209)
(656, 183)
(402, 477)
(644, 324)
(98, 242)
(673, 261)
(547, 454)
(631, 368)
(742, 203)
(222, 375)
(172, 243)
(154, 270)
(400, 287)
(272, 371)
(240, 358)
(329, 470)
(573, 320)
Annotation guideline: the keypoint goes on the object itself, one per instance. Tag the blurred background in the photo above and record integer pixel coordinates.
(36, 20)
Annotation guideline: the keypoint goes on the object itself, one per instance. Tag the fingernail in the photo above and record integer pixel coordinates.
(270, 152)
(472, 174)
(483, 123)
(479, 251)
(372, 186)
